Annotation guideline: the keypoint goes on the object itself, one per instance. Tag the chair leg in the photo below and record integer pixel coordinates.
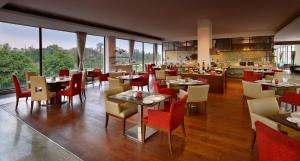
(32, 103)
(253, 140)
(71, 101)
(183, 129)
(47, 104)
(80, 98)
(26, 99)
(170, 142)
(143, 132)
(148, 88)
(93, 81)
(106, 120)
(123, 126)
(84, 94)
(17, 103)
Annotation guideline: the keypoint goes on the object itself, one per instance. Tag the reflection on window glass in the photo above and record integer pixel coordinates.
(122, 51)
(18, 51)
(159, 55)
(94, 52)
(59, 51)
(148, 50)
(138, 56)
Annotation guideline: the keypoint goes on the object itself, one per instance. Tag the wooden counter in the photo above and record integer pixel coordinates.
(217, 83)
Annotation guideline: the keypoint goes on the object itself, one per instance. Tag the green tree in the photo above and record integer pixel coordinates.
(56, 61)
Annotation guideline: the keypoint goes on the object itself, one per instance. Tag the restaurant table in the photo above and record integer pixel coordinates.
(129, 77)
(281, 118)
(135, 132)
(183, 82)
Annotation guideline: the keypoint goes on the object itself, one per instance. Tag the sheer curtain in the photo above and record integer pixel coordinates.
(81, 38)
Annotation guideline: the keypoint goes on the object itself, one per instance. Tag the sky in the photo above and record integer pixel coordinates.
(19, 36)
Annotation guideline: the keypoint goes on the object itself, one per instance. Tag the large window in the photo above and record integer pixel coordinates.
(18, 52)
(148, 53)
(284, 54)
(122, 51)
(159, 55)
(94, 52)
(138, 56)
(59, 51)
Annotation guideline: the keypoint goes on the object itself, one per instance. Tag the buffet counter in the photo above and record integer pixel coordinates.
(216, 82)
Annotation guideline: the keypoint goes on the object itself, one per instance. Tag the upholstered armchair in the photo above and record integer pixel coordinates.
(113, 83)
(197, 95)
(19, 92)
(27, 77)
(118, 109)
(160, 75)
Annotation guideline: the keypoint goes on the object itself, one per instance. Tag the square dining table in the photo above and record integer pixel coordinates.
(135, 132)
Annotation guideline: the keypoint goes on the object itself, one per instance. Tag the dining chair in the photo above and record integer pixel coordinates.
(102, 78)
(279, 76)
(295, 89)
(39, 91)
(274, 145)
(141, 82)
(64, 72)
(290, 98)
(259, 110)
(163, 67)
(94, 74)
(115, 74)
(253, 90)
(166, 121)
(150, 69)
(118, 109)
(19, 92)
(27, 78)
(160, 75)
(74, 88)
(197, 95)
(83, 83)
(115, 83)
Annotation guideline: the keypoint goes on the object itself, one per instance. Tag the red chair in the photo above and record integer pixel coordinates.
(173, 72)
(19, 92)
(167, 91)
(75, 88)
(248, 75)
(94, 74)
(141, 82)
(64, 72)
(290, 98)
(205, 81)
(102, 77)
(275, 146)
(150, 69)
(166, 121)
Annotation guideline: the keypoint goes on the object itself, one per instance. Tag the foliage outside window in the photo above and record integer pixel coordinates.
(148, 53)
(122, 51)
(138, 56)
(159, 55)
(94, 52)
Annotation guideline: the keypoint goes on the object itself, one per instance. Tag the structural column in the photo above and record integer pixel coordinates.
(204, 36)
(110, 53)
(154, 53)
(131, 48)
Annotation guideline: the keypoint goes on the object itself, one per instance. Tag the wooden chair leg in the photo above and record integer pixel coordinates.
(32, 103)
(148, 88)
(143, 133)
(123, 126)
(106, 120)
(170, 142)
(253, 140)
(84, 94)
(26, 99)
(80, 98)
(17, 103)
(71, 101)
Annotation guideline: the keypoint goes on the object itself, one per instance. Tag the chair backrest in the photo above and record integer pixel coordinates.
(177, 112)
(294, 81)
(64, 72)
(115, 74)
(279, 76)
(155, 86)
(145, 77)
(17, 85)
(269, 77)
(251, 89)
(163, 67)
(113, 83)
(39, 88)
(205, 81)
(75, 84)
(83, 81)
(248, 75)
(160, 74)
(27, 78)
(276, 146)
(112, 91)
(197, 93)
(172, 77)
(97, 72)
(291, 98)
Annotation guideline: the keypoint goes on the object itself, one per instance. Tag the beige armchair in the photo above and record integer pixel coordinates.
(118, 109)
(259, 110)
(39, 91)
(254, 90)
(27, 78)
(294, 89)
(115, 74)
(197, 95)
(113, 83)
(163, 67)
(279, 76)
(172, 77)
(160, 75)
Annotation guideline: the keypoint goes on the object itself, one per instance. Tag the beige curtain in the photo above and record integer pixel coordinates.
(131, 47)
(81, 38)
(154, 53)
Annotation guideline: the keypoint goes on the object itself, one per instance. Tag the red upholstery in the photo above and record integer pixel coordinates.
(75, 86)
(251, 76)
(167, 120)
(203, 80)
(167, 91)
(64, 72)
(290, 98)
(276, 70)
(140, 82)
(173, 72)
(19, 92)
(150, 69)
(275, 146)
(103, 77)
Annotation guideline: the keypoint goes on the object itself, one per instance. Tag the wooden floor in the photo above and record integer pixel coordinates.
(222, 134)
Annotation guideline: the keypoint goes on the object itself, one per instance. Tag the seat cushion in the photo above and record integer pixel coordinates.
(128, 109)
(25, 94)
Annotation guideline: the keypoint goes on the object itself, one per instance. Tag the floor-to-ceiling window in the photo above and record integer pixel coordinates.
(138, 56)
(159, 55)
(284, 54)
(122, 51)
(18, 52)
(148, 53)
(59, 51)
(94, 52)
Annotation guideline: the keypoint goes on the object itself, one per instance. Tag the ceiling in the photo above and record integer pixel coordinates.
(290, 32)
(172, 19)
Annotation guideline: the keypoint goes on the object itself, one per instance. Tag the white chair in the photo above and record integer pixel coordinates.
(27, 78)
(254, 90)
(160, 75)
(295, 81)
(197, 95)
(259, 110)
(115, 83)
(115, 74)
(279, 76)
